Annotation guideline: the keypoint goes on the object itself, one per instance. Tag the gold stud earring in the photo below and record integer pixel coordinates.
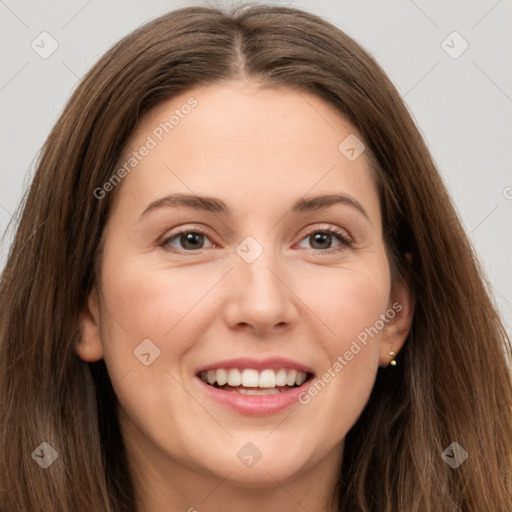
(392, 354)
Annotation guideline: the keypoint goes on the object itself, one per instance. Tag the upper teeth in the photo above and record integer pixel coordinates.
(250, 378)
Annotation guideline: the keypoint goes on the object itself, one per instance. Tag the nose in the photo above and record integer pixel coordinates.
(261, 297)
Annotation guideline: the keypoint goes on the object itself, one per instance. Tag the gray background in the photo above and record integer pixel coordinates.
(462, 105)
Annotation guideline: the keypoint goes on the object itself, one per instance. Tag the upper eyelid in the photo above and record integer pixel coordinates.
(194, 229)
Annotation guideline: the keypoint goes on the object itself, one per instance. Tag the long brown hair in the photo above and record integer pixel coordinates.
(451, 384)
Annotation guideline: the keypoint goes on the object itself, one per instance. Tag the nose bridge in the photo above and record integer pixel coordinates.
(257, 266)
(261, 296)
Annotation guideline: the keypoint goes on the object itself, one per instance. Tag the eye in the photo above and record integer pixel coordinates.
(187, 240)
(322, 240)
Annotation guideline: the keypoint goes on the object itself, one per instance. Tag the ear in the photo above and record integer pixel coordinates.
(90, 347)
(397, 328)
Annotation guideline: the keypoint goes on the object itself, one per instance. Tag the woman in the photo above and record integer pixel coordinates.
(238, 281)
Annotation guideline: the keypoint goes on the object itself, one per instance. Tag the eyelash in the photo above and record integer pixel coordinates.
(342, 238)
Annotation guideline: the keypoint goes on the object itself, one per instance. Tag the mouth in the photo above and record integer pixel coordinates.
(252, 382)
(255, 388)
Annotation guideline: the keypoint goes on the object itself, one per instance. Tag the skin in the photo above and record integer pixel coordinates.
(259, 150)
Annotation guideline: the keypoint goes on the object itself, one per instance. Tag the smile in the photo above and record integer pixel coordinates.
(253, 382)
(255, 388)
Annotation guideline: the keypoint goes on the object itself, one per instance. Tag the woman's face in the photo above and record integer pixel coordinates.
(218, 264)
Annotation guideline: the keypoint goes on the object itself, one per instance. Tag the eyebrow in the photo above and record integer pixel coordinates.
(214, 205)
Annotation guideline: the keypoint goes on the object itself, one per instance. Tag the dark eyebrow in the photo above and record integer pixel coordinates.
(207, 204)
(214, 205)
(319, 202)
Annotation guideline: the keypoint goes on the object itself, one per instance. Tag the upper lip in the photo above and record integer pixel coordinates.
(257, 364)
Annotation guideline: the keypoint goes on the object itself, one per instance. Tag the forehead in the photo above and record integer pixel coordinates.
(237, 138)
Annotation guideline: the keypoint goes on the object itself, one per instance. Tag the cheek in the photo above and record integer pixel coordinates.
(339, 393)
(348, 300)
(140, 308)
(152, 318)
(350, 303)
(150, 300)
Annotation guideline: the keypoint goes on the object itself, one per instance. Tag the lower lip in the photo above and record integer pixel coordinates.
(255, 405)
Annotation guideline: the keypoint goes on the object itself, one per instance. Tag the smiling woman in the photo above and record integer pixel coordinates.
(264, 299)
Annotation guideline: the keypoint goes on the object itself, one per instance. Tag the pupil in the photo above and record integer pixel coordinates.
(190, 240)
